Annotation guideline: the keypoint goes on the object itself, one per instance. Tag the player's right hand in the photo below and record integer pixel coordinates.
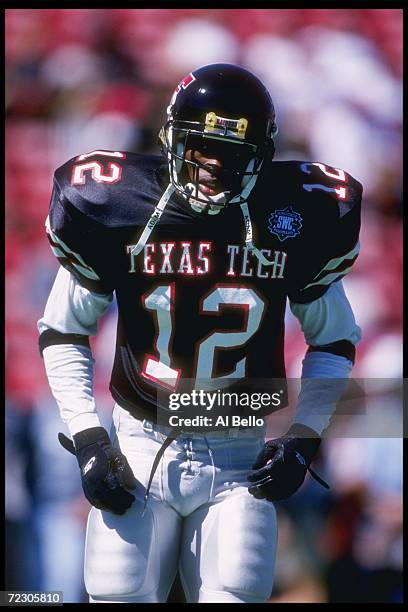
(105, 471)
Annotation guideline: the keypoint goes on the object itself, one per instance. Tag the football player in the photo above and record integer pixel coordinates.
(202, 249)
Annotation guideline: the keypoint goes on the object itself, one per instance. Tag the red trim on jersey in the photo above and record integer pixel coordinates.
(158, 381)
(167, 257)
(201, 247)
(146, 258)
(172, 287)
(190, 263)
(78, 176)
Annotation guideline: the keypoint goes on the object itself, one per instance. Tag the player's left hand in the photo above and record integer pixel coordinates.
(282, 464)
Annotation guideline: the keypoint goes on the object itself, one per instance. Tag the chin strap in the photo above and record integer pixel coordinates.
(154, 219)
(248, 237)
(242, 199)
(213, 207)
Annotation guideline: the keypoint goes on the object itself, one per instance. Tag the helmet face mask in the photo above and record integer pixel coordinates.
(223, 112)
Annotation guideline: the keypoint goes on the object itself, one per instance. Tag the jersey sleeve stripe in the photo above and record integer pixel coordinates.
(68, 262)
(345, 265)
(63, 257)
(56, 241)
(64, 254)
(336, 268)
(96, 286)
(329, 279)
(334, 263)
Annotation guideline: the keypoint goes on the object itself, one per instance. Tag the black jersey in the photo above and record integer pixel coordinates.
(196, 303)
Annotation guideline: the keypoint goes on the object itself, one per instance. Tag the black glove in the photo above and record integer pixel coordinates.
(105, 472)
(282, 464)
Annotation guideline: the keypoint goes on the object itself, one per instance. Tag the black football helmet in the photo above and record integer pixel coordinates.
(226, 107)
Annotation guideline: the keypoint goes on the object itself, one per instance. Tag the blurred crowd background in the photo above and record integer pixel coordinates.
(79, 80)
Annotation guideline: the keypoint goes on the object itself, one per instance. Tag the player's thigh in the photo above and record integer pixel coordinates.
(229, 550)
(130, 557)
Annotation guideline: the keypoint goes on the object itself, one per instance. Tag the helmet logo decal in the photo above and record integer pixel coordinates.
(182, 85)
(285, 223)
(222, 125)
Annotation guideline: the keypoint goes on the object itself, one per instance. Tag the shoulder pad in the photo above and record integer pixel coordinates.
(93, 193)
(332, 211)
(74, 243)
(110, 187)
(334, 183)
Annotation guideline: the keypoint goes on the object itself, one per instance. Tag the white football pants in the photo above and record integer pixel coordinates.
(199, 518)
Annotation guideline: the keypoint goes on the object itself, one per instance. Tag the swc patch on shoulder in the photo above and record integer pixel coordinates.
(285, 223)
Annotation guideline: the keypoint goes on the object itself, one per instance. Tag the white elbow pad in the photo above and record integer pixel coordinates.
(328, 319)
(72, 309)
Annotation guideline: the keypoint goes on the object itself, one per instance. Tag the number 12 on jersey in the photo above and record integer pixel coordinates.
(333, 173)
(161, 301)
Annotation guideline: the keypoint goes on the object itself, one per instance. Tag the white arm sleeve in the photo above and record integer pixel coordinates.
(72, 309)
(69, 369)
(324, 380)
(326, 320)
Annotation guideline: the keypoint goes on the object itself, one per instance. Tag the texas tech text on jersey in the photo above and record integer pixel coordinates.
(183, 258)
